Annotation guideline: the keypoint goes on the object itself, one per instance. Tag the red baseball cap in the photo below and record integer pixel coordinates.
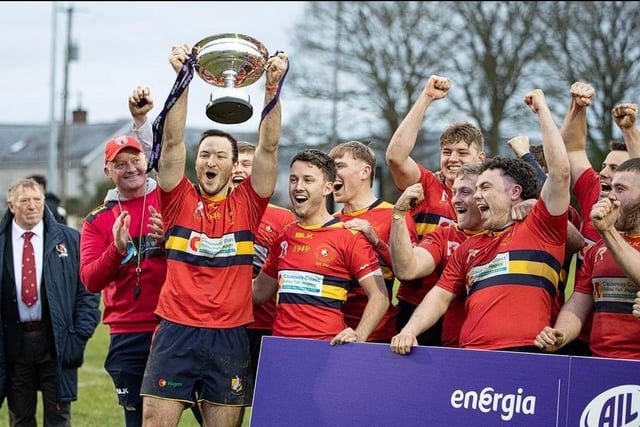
(117, 144)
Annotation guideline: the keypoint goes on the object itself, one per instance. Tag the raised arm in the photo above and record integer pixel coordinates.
(265, 160)
(520, 146)
(555, 191)
(403, 168)
(408, 262)
(174, 152)
(625, 116)
(140, 104)
(574, 129)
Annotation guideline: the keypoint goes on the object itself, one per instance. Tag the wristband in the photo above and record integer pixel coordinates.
(272, 89)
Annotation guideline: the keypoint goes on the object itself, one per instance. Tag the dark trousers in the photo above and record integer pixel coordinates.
(432, 336)
(255, 343)
(36, 370)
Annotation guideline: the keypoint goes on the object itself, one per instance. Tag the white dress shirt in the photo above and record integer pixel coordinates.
(33, 313)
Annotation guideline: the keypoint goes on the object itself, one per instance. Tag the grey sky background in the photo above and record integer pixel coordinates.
(122, 45)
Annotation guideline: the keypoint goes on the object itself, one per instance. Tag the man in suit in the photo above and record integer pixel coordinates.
(47, 314)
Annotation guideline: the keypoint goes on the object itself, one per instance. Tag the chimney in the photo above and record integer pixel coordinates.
(79, 116)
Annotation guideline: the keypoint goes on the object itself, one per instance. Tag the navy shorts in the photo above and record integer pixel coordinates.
(189, 364)
(125, 363)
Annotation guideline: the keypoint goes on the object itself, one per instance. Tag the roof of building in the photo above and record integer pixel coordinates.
(29, 144)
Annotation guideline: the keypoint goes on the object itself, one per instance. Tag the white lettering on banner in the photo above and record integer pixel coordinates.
(499, 265)
(616, 407)
(222, 246)
(298, 282)
(489, 401)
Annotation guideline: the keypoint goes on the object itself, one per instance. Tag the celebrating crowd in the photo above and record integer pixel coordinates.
(192, 275)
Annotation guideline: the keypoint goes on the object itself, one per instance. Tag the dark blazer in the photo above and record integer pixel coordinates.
(69, 310)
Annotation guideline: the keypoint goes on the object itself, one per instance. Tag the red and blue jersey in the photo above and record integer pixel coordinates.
(315, 268)
(210, 251)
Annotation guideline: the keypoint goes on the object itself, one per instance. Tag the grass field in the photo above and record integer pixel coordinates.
(97, 404)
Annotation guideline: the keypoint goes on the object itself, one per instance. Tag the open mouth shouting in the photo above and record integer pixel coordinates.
(300, 198)
(483, 208)
(338, 187)
(460, 209)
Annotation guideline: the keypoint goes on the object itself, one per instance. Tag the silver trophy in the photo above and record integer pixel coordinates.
(230, 61)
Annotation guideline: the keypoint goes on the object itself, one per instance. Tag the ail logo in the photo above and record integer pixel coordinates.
(617, 407)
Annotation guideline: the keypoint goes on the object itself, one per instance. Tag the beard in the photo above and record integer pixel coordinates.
(628, 218)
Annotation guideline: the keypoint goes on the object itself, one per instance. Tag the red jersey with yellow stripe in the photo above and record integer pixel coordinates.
(436, 208)
(210, 252)
(273, 222)
(315, 268)
(440, 244)
(587, 192)
(379, 216)
(510, 278)
(615, 332)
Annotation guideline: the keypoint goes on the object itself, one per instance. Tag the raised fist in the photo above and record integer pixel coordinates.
(437, 87)
(582, 94)
(625, 115)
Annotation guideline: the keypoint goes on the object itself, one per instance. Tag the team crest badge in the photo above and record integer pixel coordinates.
(325, 255)
(236, 384)
(62, 250)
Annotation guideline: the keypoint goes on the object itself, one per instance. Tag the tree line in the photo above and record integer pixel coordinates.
(357, 67)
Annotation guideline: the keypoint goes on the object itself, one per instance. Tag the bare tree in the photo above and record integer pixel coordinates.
(494, 59)
(361, 65)
(598, 43)
(364, 63)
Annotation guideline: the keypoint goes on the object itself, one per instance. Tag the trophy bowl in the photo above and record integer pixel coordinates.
(230, 61)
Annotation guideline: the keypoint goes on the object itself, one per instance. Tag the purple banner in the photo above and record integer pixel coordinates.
(604, 393)
(310, 383)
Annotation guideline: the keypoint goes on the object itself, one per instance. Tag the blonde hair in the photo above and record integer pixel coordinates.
(20, 185)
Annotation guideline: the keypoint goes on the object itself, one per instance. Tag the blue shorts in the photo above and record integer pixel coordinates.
(125, 363)
(190, 364)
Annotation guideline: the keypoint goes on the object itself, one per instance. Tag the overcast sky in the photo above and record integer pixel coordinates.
(122, 45)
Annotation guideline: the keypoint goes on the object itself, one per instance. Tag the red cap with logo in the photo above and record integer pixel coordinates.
(119, 143)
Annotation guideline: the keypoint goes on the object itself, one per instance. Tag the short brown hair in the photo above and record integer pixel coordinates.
(245, 147)
(462, 131)
(359, 151)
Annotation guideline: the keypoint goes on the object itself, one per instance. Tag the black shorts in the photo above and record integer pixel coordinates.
(189, 364)
(125, 363)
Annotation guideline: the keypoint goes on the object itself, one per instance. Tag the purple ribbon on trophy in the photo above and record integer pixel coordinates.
(185, 75)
